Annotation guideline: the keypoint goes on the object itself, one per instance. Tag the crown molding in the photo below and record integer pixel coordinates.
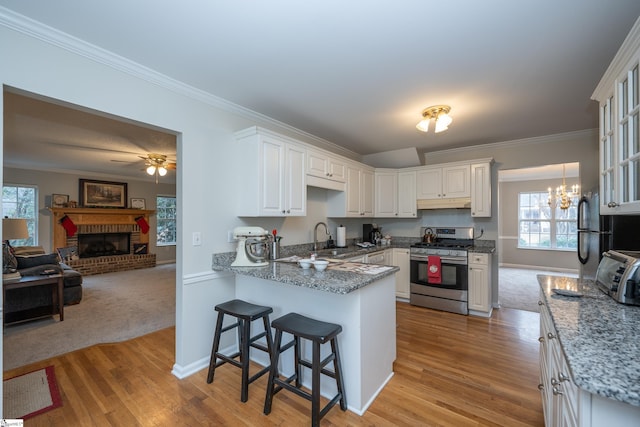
(50, 35)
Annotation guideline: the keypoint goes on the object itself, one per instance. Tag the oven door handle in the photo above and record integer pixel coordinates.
(443, 259)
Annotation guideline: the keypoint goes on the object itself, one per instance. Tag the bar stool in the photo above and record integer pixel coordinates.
(318, 333)
(245, 313)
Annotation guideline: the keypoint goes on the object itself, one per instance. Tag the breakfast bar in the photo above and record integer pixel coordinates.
(363, 304)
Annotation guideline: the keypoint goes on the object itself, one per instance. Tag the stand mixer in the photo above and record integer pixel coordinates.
(253, 247)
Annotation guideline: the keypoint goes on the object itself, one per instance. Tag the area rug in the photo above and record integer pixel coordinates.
(31, 394)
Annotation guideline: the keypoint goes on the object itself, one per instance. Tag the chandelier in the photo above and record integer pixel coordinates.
(562, 198)
(441, 115)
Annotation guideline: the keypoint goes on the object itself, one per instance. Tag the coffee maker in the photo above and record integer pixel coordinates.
(371, 233)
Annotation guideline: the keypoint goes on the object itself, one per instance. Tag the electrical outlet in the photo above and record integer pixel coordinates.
(230, 238)
(197, 238)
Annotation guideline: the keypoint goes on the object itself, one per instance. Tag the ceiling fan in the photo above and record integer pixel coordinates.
(157, 164)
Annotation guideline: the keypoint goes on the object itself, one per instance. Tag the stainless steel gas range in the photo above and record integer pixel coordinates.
(439, 276)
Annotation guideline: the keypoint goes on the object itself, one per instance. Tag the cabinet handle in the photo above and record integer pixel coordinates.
(288, 211)
(563, 377)
(557, 392)
(540, 387)
(612, 204)
(283, 211)
(541, 339)
(550, 335)
(554, 382)
(540, 303)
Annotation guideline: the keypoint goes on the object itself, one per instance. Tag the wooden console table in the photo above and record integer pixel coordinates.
(57, 307)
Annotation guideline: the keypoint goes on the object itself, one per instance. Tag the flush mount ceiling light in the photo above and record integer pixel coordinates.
(441, 115)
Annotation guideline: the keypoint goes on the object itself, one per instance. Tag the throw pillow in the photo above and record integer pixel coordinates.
(35, 260)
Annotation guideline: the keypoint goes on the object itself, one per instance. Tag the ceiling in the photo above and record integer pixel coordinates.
(354, 73)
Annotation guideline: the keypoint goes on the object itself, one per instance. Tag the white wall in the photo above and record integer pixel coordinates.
(49, 183)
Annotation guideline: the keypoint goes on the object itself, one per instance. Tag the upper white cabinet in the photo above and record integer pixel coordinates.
(326, 166)
(395, 194)
(446, 182)
(619, 96)
(358, 199)
(272, 176)
(481, 189)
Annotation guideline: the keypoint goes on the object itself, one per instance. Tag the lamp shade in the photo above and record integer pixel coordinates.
(14, 229)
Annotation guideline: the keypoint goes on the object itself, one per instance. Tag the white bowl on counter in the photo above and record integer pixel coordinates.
(320, 264)
(305, 263)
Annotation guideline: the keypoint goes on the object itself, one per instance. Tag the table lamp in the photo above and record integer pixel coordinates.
(12, 229)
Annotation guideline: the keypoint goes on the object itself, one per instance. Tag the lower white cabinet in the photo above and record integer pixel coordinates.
(400, 259)
(375, 258)
(480, 284)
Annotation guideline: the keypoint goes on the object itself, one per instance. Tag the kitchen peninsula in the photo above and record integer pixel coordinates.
(590, 375)
(364, 304)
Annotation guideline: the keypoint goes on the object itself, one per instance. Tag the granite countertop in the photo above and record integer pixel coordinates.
(339, 282)
(599, 337)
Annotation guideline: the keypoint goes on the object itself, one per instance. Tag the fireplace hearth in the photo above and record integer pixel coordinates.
(91, 245)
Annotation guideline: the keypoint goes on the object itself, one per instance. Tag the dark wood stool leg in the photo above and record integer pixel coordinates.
(315, 385)
(296, 362)
(214, 350)
(245, 325)
(337, 368)
(273, 372)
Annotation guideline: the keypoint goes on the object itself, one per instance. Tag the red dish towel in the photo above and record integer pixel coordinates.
(434, 274)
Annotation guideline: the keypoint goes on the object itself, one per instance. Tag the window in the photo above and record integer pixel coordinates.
(22, 202)
(544, 227)
(166, 220)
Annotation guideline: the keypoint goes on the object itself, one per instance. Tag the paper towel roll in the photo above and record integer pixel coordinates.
(341, 237)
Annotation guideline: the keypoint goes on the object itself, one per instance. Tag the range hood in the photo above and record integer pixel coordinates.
(457, 203)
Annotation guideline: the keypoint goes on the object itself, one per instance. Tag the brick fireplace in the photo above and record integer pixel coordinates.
(94, 221)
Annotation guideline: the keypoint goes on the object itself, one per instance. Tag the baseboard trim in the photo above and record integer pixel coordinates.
(182, 372)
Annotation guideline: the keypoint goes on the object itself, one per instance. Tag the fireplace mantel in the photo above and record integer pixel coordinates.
(96, 216)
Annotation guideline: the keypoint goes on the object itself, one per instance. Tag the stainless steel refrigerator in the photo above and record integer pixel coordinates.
(600, 233)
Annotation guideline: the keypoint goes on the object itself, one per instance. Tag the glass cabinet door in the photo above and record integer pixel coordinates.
(628, 149)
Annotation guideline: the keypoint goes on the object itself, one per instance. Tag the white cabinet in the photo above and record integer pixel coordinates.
(271, 181)
(375, 258)
(401, 259)
(480, 284)
(481, 189)
(618, 94)
(326, 166)
(447, 182)
(395, 194)
(358, 199)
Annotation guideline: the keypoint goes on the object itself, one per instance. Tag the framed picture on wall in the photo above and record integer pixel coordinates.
(103, 194)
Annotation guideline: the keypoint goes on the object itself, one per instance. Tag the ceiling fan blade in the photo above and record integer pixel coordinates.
(85, 148)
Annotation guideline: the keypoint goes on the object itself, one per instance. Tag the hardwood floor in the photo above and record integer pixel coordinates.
(451, 370)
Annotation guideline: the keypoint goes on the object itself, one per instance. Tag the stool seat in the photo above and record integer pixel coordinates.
(305, 327)
(318, 332)
(243, 309)
(246, 313)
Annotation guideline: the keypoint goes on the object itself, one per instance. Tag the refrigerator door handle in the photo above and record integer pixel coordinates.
(583, 259)
(583, 202)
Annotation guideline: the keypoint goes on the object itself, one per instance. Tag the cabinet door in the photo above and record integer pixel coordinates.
(478, 288)
(386, 187)
(481, 190)
(367, 193)
(429, 183)
(456, 182)
(401, 259)
(317, 164)
(295, 191)
(353, 191)
(337, 170)
(407, 195)
(272, 191)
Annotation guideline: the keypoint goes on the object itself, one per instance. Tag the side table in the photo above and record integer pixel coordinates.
(55, 281)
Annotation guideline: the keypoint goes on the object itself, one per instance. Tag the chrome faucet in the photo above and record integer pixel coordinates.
(315, 235)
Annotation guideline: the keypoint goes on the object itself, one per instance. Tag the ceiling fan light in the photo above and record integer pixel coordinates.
(151, 170)
(162, 171)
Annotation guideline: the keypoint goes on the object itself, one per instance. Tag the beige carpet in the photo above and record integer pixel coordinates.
(114, 307)
(518, 287)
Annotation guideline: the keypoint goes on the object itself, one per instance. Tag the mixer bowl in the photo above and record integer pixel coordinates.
(257, 249)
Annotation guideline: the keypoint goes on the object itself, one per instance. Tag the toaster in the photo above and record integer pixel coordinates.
(618, 276)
